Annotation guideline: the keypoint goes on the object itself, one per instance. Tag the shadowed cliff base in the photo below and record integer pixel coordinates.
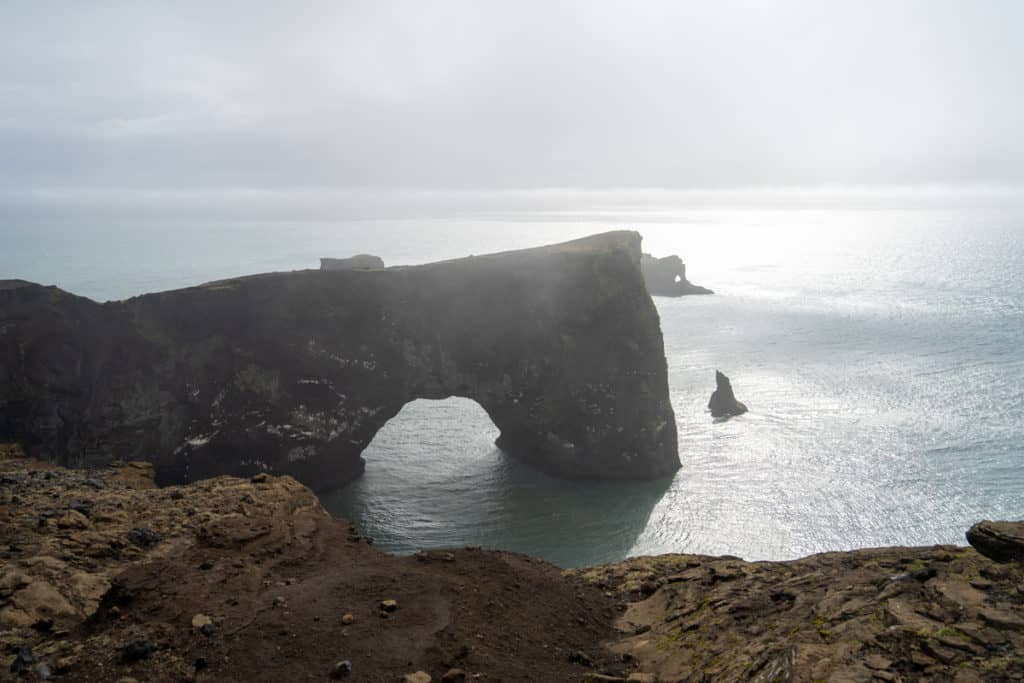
(295, 372)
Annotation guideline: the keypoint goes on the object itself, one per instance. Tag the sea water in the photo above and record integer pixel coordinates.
(881, 353)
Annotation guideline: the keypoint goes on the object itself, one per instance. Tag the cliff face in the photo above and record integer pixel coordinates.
(294, 373)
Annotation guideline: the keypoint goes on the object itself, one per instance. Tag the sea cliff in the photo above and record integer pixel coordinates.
(294, 373)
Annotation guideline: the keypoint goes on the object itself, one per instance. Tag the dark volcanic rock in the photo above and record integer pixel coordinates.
(294, 373)
(357, 262)
(723, 402)
(1000, 541)
(143, 537)
(136, 650)
(667, 277)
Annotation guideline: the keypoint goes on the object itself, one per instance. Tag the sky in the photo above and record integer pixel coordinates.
(146, 102)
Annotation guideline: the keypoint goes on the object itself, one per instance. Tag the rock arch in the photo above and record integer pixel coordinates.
(295, 372)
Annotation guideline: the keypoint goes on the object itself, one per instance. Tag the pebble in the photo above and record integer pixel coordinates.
(73, 519)
(877, 662)
(388, 605)
(581, 658)
(137, 650)
(201, 620)
(280, 602)
(348, 619)
(454, 676)
(417, 677)
(22, 660)
(342, 669)
(144, 537)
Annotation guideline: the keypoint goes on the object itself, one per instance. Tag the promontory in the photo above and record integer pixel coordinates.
(293, 373)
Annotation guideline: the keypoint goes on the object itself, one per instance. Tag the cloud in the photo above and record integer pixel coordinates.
(464, 95)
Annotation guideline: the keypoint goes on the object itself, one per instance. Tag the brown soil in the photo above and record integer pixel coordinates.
(94, 561)
(276, 575)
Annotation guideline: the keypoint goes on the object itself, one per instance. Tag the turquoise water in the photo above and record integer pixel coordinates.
(880, 353)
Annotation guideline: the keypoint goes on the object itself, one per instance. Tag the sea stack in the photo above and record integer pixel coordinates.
(723, 402)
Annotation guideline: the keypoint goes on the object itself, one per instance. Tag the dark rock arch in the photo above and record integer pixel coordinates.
(295, 372)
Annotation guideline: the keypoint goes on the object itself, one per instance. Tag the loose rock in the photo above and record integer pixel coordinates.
(23, 659)
(201, 620)
(1000, 541)
(143, 537)
(341, 669)
(137, 650)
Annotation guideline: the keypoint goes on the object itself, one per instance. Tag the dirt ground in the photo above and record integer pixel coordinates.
(104, 577)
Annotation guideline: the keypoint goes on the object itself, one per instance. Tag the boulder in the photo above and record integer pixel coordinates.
(999, 541)
(723, 402)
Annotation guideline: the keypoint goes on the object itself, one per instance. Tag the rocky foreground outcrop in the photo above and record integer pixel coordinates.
(104, 577)
(294, 373)
(667, 277)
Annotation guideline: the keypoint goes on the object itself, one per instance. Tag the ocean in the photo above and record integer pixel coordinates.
(880, 351)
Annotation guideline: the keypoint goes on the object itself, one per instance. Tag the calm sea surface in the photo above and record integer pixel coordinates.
(881, 354)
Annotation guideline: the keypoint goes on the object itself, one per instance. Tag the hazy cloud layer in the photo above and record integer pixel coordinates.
(177, 96)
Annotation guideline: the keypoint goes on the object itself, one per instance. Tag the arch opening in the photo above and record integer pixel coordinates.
(426, 468)
(435, 479)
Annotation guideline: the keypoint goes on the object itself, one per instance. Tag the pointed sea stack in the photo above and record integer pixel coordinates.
(723, 402)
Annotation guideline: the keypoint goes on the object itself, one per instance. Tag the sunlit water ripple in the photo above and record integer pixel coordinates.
(881, 354)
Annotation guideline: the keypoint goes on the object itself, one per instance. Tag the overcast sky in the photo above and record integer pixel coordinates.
(247, 96)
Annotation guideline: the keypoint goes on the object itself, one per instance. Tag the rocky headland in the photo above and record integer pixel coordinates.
(294, 373)
(667, 277)
(105, 577)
